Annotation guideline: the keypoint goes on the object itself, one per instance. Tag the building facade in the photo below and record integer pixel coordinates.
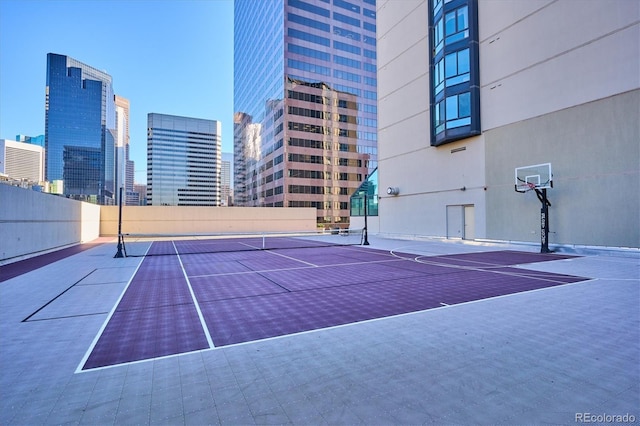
(21, 161)
(226, 177)
(124, 166)
(305, 128)
(80, 130)
(183, 161)
(470, 90)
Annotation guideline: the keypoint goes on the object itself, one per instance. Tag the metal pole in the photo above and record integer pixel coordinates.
(544, 223)
(119, 252)
(366, 232)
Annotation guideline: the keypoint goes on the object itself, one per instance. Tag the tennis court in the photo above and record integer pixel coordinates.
(187, 296)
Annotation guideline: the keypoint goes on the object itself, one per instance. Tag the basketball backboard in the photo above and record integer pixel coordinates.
(533, 177)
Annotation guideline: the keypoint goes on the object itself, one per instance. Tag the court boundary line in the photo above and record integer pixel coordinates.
(316, 330)
(297, 268)
(293, 258)
(93, 344)
(28, 318)
(203, 323)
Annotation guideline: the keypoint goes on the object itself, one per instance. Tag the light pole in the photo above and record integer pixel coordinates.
(366, 232)
(119, 252)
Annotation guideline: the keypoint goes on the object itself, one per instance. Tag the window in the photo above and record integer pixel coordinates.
(346, 5)
(344, 75)
(369, 26)
(305, 66)
(346, 19)
(305, 51)
(346, 61)
(292, 32)
(458, 110)
(456, 25)
(456, 67)
(309, 22)
(438, 35)
(346, 47)
(309, 7)
(346, 33)
(370, 53)
(369, 13)
(455, 103)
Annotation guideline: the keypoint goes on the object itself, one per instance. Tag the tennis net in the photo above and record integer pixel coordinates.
(138, 245)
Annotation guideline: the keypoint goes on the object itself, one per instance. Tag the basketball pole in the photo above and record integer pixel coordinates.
(544, 220)
(119, 252)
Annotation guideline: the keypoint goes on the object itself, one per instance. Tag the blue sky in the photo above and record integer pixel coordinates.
(165, 56)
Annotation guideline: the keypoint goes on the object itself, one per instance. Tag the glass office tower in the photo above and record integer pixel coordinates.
(80, 130)
(183, 161)
(305, 127)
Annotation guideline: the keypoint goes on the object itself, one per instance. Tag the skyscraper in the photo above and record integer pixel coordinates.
(80, 129)
(183, 161)
(226, 173)
(306, 105)
(124, 170)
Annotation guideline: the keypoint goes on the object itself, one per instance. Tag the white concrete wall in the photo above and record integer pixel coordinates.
(32, 222)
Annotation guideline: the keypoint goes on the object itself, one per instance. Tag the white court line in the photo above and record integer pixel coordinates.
(298, 267)
(104, 325)
(293, 258)
(195, 301)
(525, 274)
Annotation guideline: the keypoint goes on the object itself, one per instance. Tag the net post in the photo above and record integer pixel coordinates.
(119, 253)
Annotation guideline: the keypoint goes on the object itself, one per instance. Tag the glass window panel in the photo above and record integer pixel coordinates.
(464, 104)
(451, 107)
(450, 23)
(438, 35)
(451, 65)
(463, 18)
(463, 61)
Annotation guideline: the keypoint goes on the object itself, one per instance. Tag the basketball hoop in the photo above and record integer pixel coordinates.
(531, 185)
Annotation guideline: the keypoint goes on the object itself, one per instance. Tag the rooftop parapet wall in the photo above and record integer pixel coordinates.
(32, 222)
(194, 220)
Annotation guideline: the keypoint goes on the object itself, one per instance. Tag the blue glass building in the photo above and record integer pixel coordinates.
(305, 96)
(80, 130)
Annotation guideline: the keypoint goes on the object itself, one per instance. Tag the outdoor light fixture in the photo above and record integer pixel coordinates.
(393, 190)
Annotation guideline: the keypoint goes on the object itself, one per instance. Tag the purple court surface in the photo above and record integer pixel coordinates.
(178, 304)
(23, 266)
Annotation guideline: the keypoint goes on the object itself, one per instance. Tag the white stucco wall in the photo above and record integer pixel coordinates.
(547, 69)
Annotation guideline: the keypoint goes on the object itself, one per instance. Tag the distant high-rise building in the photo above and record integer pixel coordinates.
(22, 161)
(305, 127)
(140, 192)
(80, 130)
(226, 190)
(122, 147)
(183, 161)
(35, 140)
